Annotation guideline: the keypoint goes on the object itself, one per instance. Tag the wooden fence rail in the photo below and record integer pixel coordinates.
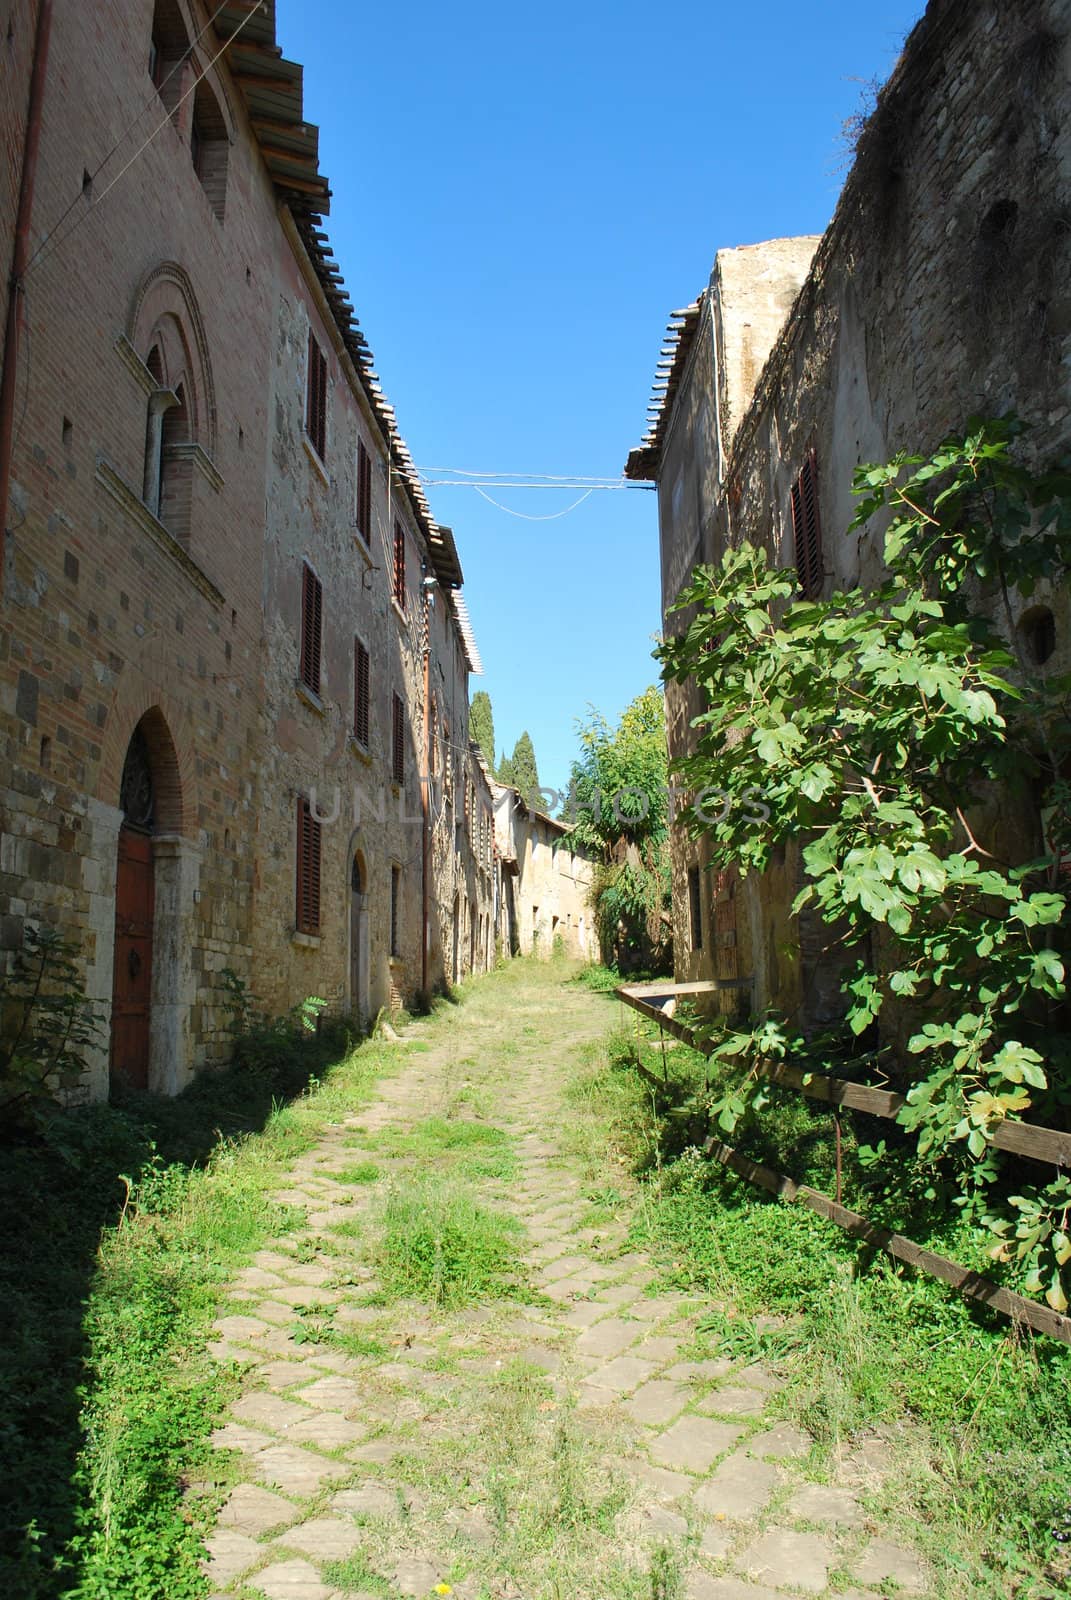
(1020, 1138)
(1027, 1139)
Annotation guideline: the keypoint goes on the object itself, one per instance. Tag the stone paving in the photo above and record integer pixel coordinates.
(326, 1443)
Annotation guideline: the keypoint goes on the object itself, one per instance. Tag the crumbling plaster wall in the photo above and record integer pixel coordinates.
(940, 291)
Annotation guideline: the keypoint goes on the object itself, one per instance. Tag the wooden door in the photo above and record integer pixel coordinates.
(725, 925)
(132, 980)
(356, 908)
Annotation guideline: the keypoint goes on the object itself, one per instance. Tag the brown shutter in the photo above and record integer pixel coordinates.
(398, 741)
(312, 601)
(361, 697)
(395, 897)
(364, 493)
(399, 564)
(807, 529)
(308, 870)
(316, 397)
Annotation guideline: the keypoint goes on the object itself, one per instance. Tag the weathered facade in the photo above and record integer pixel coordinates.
(938, 292)
(210, 508)
(546, 882)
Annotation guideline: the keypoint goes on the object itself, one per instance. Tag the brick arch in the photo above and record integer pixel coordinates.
(151, 708)
(165, 306)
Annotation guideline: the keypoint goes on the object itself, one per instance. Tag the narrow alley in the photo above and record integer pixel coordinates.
(567, 1440)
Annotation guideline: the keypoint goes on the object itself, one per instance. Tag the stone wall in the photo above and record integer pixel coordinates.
(107, 612)
(939, 291)
(165, 498)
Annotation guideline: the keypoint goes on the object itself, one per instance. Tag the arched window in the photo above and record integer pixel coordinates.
(167, 332)
(168, 50)
(169, 431)
(210, 147)
(176, 480)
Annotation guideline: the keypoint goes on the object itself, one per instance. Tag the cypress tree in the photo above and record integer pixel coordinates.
(482, 726)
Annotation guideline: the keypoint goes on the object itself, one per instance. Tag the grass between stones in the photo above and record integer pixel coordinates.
(440, 1244)
(121, 1226)
(972, 1415)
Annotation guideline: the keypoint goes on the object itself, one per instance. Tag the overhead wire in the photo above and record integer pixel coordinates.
(527, 516)
(42, 253)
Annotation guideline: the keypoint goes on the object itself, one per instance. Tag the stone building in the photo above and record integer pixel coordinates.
(546, 882)
(210, 513)
(939, 291)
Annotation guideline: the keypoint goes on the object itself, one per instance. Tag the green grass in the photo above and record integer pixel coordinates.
(978, 1415)
(121, 1227)
(361, 1172)
(355, 1575)
(467, 1148)
(438, 1243)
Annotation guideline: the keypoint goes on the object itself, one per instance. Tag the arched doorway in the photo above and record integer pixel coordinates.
(358, 939)
(134, 913)
(156, 876)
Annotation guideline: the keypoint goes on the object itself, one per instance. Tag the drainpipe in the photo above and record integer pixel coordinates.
(19, 259)
(428, 586)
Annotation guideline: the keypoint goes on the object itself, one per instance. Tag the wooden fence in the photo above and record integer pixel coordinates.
(1046, 1145)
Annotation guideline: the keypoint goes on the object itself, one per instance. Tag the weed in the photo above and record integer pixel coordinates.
(361, 1172)
(354, 1574)
(354, 1343)
(666, 1575)
(315, 1325)
(439, 1244)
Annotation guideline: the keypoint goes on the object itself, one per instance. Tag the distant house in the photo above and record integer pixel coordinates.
(545, 882)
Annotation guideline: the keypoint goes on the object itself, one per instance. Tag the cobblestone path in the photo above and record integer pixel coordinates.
(564, 1446)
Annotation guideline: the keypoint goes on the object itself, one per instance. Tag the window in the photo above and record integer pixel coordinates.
(209, 147)
(316, 398)
(361, 697)
(364, 493)
(395, 907)
(399, 565)
(168, 46)
(308, 870)
(807, 529)
(176, 477)
(695, 905)
(398, 740)
(312, 604)
(432, 721)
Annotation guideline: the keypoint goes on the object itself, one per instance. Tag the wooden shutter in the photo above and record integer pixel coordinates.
(361, 696)
(807, 529)
(308, 870)
(398, 741)
(316, 398)
(395, 897)
(399, 564)
(695, 907)
(312, 611)
(364, 493)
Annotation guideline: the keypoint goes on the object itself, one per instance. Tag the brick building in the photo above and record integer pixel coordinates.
(938, 292)
(223, 592)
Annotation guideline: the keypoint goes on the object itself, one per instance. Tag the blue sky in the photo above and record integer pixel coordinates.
(521, 196)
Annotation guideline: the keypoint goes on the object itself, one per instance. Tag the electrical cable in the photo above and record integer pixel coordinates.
(527, 516)
(494, 483)
(42, 254)
(569, 477)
